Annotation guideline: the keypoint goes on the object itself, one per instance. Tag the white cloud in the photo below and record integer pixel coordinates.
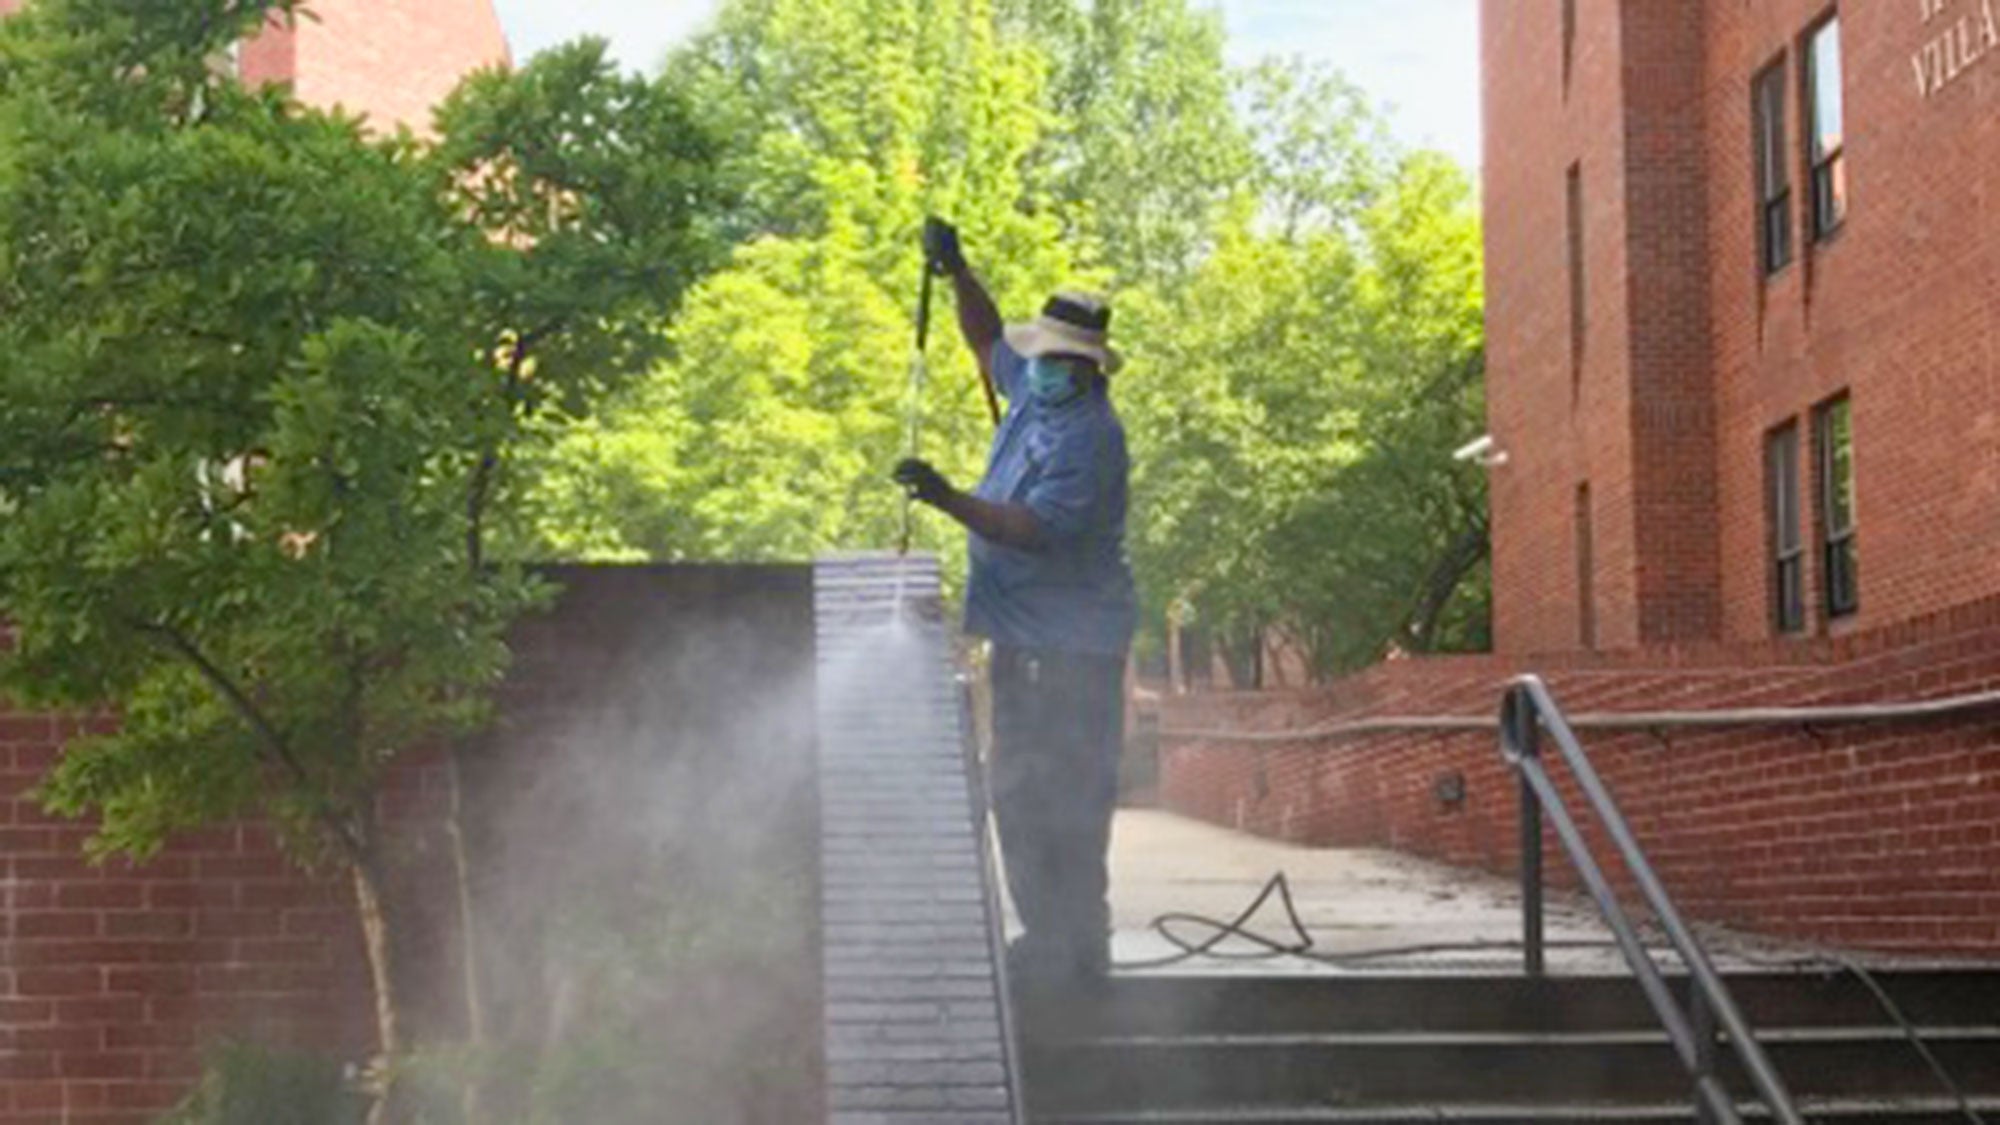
(640, 31)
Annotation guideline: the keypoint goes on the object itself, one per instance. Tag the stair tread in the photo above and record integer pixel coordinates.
(1452, 1038)
(1489, 1051)
(1472, 1111)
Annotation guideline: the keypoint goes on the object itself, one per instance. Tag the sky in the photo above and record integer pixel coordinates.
(1419, 59)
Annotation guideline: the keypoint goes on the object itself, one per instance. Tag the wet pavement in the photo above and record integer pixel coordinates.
(1366, 906)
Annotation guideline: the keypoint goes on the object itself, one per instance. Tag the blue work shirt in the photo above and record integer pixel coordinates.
(1069, 466)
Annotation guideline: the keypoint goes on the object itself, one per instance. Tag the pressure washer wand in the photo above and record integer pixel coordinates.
(915, 416)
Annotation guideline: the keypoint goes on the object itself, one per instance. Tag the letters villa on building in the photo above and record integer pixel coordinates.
(1956, 44)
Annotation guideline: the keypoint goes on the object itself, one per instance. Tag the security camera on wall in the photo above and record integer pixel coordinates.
(1485, 452)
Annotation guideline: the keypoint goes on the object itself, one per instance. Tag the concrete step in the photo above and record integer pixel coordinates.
(1165, 1005)
(1413, 1069)
(1915, 1111)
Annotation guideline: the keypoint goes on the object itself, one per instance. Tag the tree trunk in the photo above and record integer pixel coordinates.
(372, 906)
(1244, 654)
(468, 928)
(1445, 578)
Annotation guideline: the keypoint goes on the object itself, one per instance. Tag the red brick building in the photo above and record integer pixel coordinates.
(1744, 369)
(1744, 361)
(389, 59)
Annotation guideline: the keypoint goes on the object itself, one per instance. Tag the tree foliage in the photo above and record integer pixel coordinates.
(267, 375)
(1301, 299)
(1321, 365)
(1143, 145)
(768, 435)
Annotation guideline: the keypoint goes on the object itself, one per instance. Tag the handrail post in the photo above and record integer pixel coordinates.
(1701, 1016)
(1718, 1007)
(1532, 930)
(1522, 731)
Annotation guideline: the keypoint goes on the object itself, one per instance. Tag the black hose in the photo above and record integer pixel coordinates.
(1301, 946)
(1840, 963)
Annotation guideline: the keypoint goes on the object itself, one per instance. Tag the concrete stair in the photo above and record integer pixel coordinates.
(1488, 1050)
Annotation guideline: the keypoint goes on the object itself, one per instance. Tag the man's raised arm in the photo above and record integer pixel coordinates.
(978, 317)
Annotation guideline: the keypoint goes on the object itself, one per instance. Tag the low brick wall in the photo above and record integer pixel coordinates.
(114, 975)
(630, 728)
(1880, 837)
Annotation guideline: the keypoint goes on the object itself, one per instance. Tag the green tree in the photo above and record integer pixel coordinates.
(770, 432)
(1300, 298)
(266, 377)
(1405, 528)
(1144, 147)
(1294, 405)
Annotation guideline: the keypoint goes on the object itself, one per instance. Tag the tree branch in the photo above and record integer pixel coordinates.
(1445, 578)
(276, 748)
(489, 458)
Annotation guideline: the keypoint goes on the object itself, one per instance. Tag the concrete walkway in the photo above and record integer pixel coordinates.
(1351, 901)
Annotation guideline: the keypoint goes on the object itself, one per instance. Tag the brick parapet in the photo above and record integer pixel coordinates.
(1882, 837)
(113, 975)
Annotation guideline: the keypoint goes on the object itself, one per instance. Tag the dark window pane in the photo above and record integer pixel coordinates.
(1777, 233)
(1781, 467)
(1790, 595)
(1773, 176)
(1569, 41)
(1843, 587)
(1586, 570)
(1578, 289)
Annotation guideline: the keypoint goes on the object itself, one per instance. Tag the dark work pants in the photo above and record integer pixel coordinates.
(1058, 727)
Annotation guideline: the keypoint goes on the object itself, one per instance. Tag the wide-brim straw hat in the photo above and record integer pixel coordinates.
(1077, 324)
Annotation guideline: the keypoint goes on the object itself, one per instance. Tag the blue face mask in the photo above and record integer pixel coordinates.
(1053, 381)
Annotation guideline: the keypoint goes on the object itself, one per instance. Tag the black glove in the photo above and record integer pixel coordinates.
(941, 250)
(923, 483)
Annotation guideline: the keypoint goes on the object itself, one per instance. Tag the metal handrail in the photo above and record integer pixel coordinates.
(1527, 710)
(1915, 711)
(996, 916)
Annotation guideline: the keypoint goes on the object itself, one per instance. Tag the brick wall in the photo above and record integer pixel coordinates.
(1876, 837)
(111, 976)
(628, 732)
(1562, 425)
(1693, 356)
(393, 59)
(1672, 407)
(271, 55)
(1895, 308)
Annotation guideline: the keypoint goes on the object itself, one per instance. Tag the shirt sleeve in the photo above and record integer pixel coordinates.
(1066, 496)
(1009, 369)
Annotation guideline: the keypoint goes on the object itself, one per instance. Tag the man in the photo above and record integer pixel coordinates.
(1050, 587)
